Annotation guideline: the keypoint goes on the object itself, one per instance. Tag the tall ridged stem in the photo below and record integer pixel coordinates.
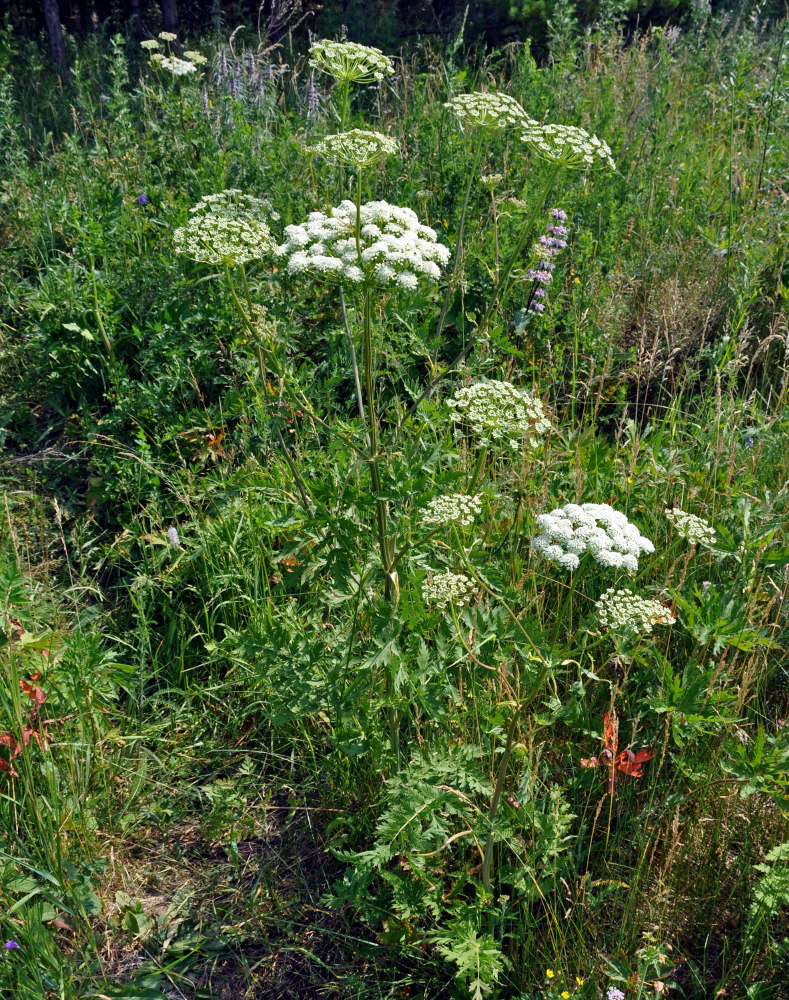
(501, 775)
(381, 507)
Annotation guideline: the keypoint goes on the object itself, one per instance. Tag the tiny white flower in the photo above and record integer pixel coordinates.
(350, 61)
(489, 111)
(453, 507)
(567, 533)
(357, 148)
(442, 589)
(688, 526)
(501, 412)
(394, 249)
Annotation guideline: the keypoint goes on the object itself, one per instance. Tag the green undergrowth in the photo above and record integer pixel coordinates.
(243, 755)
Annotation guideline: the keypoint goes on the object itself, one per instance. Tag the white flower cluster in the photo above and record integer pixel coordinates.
(394, 248)
(178, 67)
(350, 61)
(694, 529)
(491, 111)
(624, 611)
(167, 36)
(228, 226)
(568, 532)
(448, 588)
(500, 411)
(357, 148)
(195, 57)
(452, 508)
(568, 146)
(150, 44)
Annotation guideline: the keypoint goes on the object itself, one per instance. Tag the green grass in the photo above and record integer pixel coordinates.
(260, 773)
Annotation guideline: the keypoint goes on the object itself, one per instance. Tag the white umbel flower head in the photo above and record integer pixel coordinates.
(442, 589)
(167, 36)
(150, 44)
(501, 412)
(568, 146)
(489, 111)
(394, 249)
(694, 529)
(606, 534)
(453, 508)
(350, 61)
(195, 57)
(357, 148)
(178, 67)
(623, 611)
(228, 226)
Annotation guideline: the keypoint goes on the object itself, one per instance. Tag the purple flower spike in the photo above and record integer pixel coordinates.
(11, 945)
(143, 199)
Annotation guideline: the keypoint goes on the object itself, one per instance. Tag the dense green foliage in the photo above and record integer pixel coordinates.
(242, 756)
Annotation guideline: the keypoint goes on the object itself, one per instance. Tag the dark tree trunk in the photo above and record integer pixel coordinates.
(169, 16)
(57, 44)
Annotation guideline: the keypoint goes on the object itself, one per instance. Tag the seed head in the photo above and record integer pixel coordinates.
(228, 226)
(447, 588)
(624, 611)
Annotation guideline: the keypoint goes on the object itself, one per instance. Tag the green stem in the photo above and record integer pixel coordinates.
(501, 776)
(97, 311)
(498, 298)
(258, 346)
(381, 508)
(459, 242)
(475, 478)
(504, 284)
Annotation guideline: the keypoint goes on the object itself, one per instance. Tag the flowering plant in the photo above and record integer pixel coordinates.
(568, 532)
(349, 61)
(500, 411)
(453, 508)
(489, 111)
(442, 589)
(228, 226)
(356, 148)
(567, 146)
(390, 247)
(694, 529)
(622, 610)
